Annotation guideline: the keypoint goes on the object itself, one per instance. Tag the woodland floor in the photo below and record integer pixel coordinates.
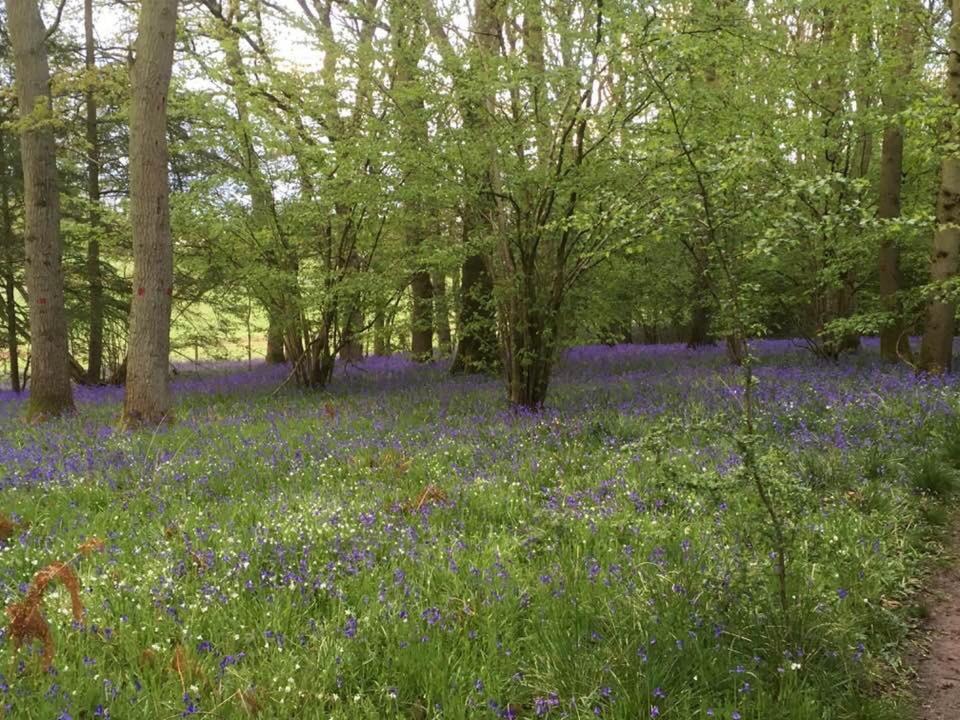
(938, 670)
(404, 545)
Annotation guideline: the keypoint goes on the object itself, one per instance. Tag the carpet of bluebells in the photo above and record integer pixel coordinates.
(275, 555)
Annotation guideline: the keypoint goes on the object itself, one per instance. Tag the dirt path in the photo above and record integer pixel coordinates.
(938, 672)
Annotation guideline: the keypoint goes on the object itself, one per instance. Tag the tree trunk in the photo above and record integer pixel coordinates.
(476, 327)
(477, 344)
(9, 280)
(351, 349)
(380, 340)
(94, 278)
(10, 307)
(893, 340)
(699, 335)
(421, 317)
(441, 314)
(278, 290)
(936, 351)
(50, 391)
(148, 399)
(275, 354)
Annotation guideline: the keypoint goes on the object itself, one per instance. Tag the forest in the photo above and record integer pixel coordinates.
(479, 359)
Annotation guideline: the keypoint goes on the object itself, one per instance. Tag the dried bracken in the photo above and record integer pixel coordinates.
(392, 460)
(248, 702)
(27, 623)
(91, 545)
(7, 528)
(431, 494)
(185, 666)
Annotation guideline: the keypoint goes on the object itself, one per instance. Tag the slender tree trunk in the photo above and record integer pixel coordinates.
(699, 333)
(380, 340)
(9, 280)
(278, 289)
(10, 308)
(421, 317)
(50, 391)
(148, 399)
(94, 278)
(893, 340)
(936, 351)
(441, 314)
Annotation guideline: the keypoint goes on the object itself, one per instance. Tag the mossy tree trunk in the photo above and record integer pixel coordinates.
(50, 392)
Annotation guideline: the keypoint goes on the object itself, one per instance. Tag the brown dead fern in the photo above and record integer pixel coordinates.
(27, 624)
(430, 495)
(91, 545)
(7, 528)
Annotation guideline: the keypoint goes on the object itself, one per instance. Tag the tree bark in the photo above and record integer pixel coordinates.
(94, 277)
(936, 351)
(50, 392)
(148, 399)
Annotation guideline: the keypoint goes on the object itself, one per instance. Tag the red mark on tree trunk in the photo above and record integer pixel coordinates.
(42, 301)
(140, 291)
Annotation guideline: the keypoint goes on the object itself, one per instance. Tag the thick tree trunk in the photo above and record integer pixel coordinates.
(351, 349)
(275, 354)
(421, 317)
(50, 391)
(94, 278)
(477, 342)
(936, 352)
(699, 331)
(148, 399)
(441, 314)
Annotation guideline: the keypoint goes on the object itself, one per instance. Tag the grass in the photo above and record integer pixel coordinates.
(406, 546)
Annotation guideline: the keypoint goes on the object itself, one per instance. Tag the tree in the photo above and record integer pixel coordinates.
(8, 243)
(893, 340)
(477, 343)
(409, 42)
(94, 277)
(936, 350)
(148, 399)
(50, 391)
